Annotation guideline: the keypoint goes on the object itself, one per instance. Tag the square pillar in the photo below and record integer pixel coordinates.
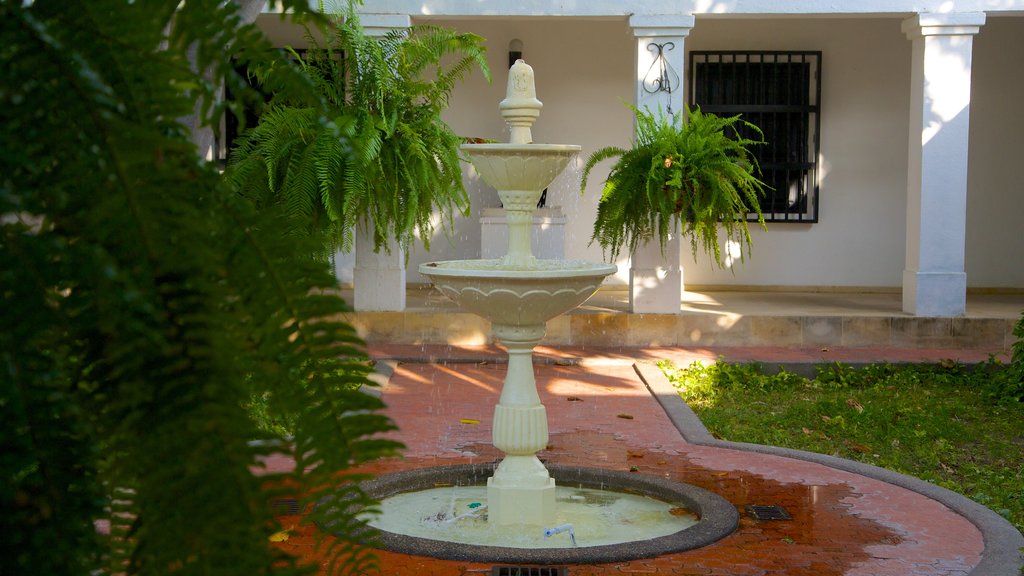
(934, 280)
(656, 278)
(379, 25)
(378, 278)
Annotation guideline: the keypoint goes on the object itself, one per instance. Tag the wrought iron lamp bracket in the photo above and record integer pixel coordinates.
(659, 77)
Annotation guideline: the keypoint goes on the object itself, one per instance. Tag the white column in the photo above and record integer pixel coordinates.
(934, 280)
(656, 277)
(378, 278)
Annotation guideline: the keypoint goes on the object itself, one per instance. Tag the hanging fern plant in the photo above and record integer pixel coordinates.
(385, 156)
(698, 174)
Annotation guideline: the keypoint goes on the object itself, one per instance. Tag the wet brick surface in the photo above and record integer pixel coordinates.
(601, 415)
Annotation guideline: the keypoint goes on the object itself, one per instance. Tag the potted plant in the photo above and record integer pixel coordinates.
(698, 174)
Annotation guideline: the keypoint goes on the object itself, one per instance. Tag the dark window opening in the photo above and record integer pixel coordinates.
(779, 92)
(233, 126)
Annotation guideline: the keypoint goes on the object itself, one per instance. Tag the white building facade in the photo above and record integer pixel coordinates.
(906, 175)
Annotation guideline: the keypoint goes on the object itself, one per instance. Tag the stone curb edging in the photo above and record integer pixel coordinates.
(1003, 543)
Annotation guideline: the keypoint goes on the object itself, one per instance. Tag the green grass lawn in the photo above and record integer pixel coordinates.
(947, 424)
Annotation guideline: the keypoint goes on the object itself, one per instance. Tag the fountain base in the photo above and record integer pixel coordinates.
(513, 505)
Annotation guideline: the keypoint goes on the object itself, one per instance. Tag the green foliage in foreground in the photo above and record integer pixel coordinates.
(946, 424)
(145, 303)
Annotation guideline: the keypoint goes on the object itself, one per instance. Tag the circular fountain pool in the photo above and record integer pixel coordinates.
(614, 516)
(585, 517)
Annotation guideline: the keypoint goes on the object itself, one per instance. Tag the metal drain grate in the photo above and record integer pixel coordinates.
(529, 571)
(284, 506)
(768, 512)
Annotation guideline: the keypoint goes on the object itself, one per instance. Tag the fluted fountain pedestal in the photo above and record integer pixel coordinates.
(521, 491)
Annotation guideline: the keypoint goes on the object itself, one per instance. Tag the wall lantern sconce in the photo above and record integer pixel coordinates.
(515, 51)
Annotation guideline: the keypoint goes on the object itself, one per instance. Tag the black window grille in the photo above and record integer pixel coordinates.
(779, 92)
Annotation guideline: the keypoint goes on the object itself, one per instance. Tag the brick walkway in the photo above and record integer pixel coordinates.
(602, 415)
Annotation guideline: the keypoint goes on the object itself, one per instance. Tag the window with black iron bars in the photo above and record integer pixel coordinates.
(779, 92)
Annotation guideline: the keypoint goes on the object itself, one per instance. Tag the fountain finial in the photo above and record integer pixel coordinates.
(520, 108)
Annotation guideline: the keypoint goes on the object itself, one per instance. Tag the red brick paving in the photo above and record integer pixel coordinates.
(843, 523)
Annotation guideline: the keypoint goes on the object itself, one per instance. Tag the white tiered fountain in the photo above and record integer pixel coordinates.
(616, 515)
(519, 294)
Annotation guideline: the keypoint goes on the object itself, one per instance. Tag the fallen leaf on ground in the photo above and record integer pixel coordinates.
(854, 404)
(863, 449)
(282, 535)
(632, 454)
(624, 416)
(469, 421)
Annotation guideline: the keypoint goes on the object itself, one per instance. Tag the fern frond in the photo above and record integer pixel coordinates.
(148, 302)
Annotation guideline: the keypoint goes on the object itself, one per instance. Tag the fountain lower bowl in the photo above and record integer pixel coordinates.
(517, 296)
(717, 517)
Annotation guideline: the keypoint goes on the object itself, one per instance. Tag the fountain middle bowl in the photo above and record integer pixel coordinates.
(517, 296)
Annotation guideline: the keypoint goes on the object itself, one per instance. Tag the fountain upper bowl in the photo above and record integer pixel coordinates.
(517, 296)
(527, 167)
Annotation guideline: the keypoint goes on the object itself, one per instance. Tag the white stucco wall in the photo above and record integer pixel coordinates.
(584, 72)
(995, 188)
(859, 238)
